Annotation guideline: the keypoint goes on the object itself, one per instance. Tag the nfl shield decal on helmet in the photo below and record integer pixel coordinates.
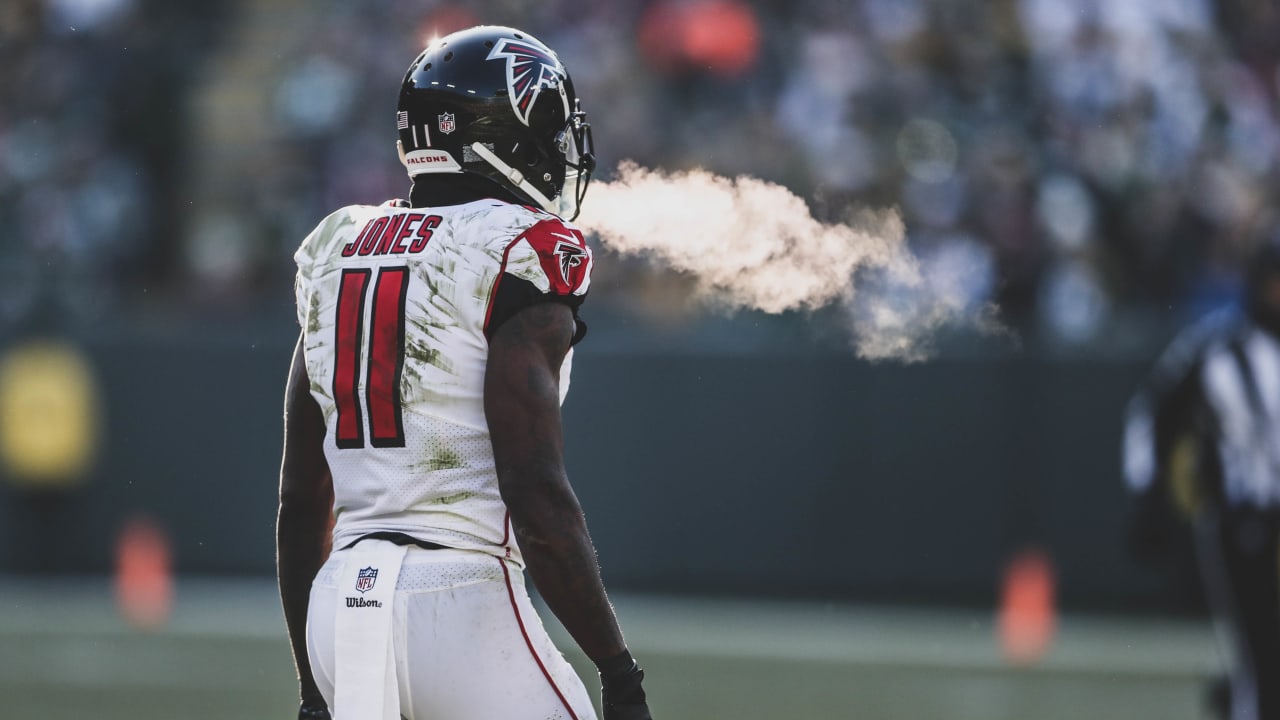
(366, 578)
(446, 123)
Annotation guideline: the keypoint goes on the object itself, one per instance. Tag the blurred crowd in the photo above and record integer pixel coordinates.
(1080, 159)
(92, 123)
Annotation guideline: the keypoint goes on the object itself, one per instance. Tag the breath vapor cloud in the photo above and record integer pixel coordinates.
(748, 243)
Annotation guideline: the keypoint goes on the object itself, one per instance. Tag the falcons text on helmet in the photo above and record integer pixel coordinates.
(530, 69)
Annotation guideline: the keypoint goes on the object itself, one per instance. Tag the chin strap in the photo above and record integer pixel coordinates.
(514, 176)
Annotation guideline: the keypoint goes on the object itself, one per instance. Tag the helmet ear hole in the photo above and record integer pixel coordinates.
(531, 155)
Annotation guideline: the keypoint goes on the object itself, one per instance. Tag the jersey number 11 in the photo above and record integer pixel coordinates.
(385, 357)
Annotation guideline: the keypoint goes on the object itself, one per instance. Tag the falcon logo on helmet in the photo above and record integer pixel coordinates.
(531, 68)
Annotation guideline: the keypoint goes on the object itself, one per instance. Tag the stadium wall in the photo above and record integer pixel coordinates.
(765, 475)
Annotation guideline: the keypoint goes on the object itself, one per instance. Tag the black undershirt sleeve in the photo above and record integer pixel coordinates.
(514, 294)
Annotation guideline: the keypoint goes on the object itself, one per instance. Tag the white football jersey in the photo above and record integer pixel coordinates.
(396, 306)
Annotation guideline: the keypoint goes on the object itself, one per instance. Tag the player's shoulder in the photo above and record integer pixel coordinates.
(550, 253)
(350, 214)
(1214, 328)
(512, 217)
(1207, 335)
(502, 224)
(332, 228)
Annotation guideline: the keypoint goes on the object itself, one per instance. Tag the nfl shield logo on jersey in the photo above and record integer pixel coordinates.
(365, 579)
(446, 123)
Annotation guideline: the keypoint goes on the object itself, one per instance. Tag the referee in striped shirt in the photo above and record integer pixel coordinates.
(1202, 439)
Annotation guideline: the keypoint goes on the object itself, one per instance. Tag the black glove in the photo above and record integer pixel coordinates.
(313, 711)
(621, 694)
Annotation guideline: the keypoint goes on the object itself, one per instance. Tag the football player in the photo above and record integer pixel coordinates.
(422, 414)
(1202, 437)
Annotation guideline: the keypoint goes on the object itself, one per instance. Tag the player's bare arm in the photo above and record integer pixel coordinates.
(522, 405)
(306, 493)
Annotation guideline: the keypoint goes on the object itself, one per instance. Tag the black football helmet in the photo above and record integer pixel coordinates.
(496, 102)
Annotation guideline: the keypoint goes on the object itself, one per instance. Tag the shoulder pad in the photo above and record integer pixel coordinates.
(554, 256)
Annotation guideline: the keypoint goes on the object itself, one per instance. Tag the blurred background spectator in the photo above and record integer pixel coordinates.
(1091, 164)
(93, 151)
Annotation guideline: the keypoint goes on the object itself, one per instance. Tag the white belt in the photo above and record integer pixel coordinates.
(365, 666)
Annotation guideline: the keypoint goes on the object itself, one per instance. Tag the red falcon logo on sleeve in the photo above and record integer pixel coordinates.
(563, 255)
(571, 256)
(531, 68)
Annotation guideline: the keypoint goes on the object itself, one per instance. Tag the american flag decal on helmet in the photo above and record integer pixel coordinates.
(402, 120)
(531, 68)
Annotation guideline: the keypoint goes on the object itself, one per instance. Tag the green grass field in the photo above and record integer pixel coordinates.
(66, 655)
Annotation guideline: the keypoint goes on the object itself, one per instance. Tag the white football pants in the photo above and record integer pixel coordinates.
(466, 641)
